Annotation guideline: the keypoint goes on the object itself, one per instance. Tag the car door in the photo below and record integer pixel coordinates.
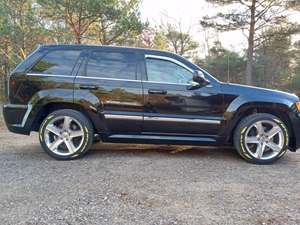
(171, 107)
(109, 79)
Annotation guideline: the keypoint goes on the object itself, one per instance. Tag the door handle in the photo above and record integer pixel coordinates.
(88, 87)
(157, 92)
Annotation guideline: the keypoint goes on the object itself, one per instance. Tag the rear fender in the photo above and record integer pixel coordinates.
(87, 103)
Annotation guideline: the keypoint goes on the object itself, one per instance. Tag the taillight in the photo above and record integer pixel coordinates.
(13, 84)
(11, 87)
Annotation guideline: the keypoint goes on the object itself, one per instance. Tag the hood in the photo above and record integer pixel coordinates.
(258, 93)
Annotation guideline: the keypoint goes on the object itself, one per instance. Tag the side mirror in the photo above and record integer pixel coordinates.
(199, 78)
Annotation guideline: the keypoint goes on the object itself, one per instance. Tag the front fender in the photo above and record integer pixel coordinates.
(241, 107)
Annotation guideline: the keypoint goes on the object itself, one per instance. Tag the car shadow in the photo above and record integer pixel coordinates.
(146, 150)
(221, 153)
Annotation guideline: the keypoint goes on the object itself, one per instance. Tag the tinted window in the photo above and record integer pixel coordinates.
(58, 62)
(112, 65)
(167, 72)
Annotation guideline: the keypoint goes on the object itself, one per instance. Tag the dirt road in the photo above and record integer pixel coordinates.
(144, 184)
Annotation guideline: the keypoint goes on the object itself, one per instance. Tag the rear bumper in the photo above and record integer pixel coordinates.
(295, 139)
(15, 117)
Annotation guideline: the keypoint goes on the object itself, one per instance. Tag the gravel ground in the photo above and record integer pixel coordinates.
(144, 185)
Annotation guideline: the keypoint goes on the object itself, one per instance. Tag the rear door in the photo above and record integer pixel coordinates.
(110, 79)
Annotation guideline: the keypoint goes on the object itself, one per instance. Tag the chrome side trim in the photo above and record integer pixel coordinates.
(170, 60)
(122, 117)
(163, 138)
(49, 75)
(161, 119)
(181, 120)
(16, 106)
(187, 84)
(124, 103)
(87, 77)
(105, 78)
(139, 81)
(156, 82)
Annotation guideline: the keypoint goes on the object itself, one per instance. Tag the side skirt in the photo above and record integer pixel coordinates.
(162, 139)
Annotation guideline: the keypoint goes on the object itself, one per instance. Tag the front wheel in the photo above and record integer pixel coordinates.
(261, 138)
(66, 134)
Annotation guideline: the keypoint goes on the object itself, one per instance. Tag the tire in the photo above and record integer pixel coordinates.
(261, 138)
(66, 134)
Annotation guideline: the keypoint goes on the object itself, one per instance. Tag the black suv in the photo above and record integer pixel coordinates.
(75, 94)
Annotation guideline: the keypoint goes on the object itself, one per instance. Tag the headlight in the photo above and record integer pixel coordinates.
(298, 106)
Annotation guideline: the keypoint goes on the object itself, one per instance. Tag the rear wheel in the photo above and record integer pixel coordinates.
(66, 134)
(261, 138)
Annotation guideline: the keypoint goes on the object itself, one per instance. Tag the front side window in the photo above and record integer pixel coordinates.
(163, 71)
(58, 62)
(114, 65)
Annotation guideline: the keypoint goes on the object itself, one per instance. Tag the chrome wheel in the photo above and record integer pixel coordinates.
(264, 139)
(64, 135)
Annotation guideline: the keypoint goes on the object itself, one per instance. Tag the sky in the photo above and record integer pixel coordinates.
(189, 12)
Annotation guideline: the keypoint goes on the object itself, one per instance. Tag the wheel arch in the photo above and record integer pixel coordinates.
(277, 109)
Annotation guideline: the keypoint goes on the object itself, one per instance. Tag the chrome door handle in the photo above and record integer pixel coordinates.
(88, 87)
(157, 92)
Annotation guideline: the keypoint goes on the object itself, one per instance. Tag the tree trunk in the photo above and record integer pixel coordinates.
(5, 72)
(250, 51)
(78, 38)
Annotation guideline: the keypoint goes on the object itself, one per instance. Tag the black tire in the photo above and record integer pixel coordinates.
(240, 137)
(87, 136)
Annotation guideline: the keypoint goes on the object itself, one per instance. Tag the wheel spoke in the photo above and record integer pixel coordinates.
(260, 150)
(74, 134)
(274, 146)
(264, 139)
(53, 146)
(260, 129)
(252, 140)
(53, 129)
(67, 122)
(70, 146)
(275, 130)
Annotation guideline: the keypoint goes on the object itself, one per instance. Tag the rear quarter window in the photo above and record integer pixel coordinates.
(115, 65)
(57, 62)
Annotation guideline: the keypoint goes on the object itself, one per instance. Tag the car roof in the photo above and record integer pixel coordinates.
(104, 47)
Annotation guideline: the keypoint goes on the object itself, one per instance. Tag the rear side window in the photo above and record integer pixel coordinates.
(58, 62)
(111, 65)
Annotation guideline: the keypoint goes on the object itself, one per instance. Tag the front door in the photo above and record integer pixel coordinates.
(171, 108)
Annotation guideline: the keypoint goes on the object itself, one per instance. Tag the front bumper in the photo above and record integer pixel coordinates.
(15, 117)
(295, 137)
